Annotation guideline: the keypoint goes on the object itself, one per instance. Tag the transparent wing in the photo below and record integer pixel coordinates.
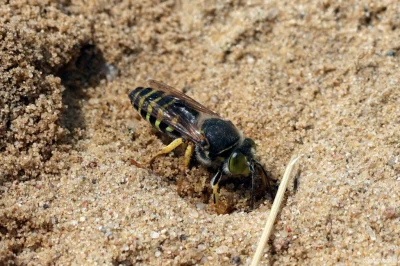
(180, 95)
(178, 117)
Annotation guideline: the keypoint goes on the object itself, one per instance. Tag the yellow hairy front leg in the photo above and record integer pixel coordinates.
(172, 146)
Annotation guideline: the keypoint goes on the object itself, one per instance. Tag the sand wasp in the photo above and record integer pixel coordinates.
(218, 144)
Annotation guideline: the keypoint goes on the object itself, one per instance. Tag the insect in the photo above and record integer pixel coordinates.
(218, 144)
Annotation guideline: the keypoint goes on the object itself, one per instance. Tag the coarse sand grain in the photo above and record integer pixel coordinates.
(317, 78)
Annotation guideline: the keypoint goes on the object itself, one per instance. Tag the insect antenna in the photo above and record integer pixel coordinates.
(252, 185)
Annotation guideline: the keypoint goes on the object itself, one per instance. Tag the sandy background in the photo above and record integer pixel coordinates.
(318, 78)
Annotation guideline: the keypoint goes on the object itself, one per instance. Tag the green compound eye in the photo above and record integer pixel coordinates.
(238, 164)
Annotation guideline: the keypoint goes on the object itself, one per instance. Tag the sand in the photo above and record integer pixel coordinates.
(313, 78)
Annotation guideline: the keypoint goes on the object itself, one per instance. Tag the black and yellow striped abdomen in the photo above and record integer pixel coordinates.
(150, 105)
(161, 110)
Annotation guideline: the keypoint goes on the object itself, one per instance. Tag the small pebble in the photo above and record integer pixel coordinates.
(371, 233)
(154, 235)
(390, 212)
(194, 214)
(214, 99)
(110, 71)
(391, 52)
(54, 220)
(157, 254)
(222, 250)
(235, 260)
(250, 60)
(200, 206)
(393, 161)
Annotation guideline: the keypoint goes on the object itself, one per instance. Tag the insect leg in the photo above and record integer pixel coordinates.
(188, 154)
(172, 146)
(214, 184)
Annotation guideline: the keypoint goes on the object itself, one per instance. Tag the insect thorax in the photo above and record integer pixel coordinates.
(221, 138)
